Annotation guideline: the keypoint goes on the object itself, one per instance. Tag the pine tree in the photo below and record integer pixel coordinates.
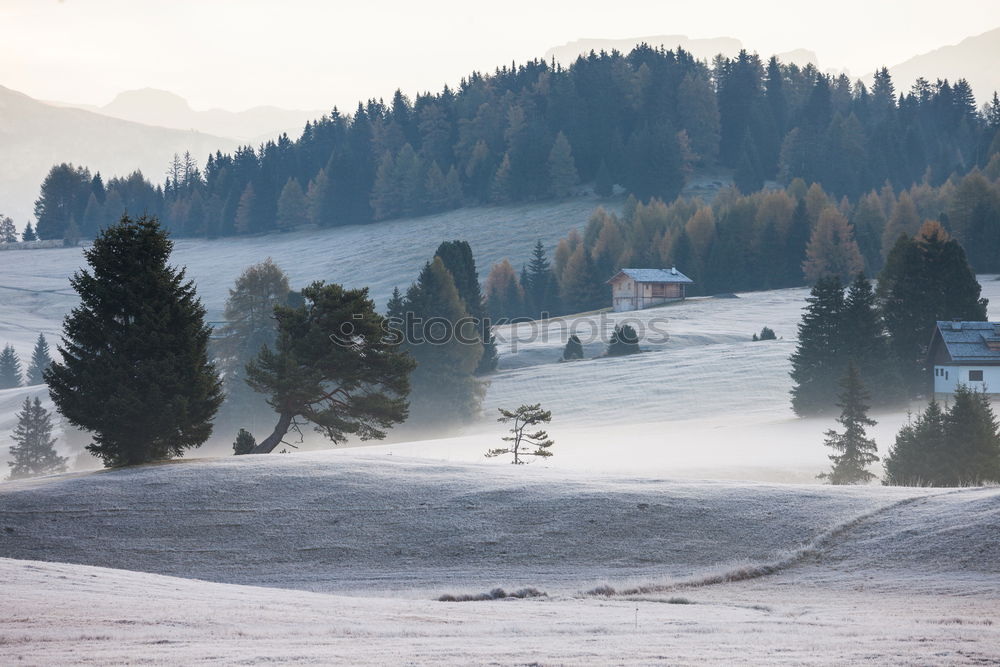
(817, 362)
(624, 341)
(351, 384)
(573, 349)
(33, 452)
(135, 369)
(856, 450)
(524, 418)
(562, 168)
(445, 390)
(244, 443)
(40, 360)
(10, 368)
(29, 233)
(293, 207)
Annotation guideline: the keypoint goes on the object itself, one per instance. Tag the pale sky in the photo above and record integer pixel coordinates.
(313, 54)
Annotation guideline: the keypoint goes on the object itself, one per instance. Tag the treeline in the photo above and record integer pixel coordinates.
(642, 121)
(767, 240)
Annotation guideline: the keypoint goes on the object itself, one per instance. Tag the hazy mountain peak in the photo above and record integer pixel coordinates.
(973, 59)
(143, 100)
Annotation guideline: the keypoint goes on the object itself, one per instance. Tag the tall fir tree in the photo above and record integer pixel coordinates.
(925, 279)
(33, 452)
(866, 343)
(855, 451)
(458, 259)
(445, 389)
(135, 370)
(40, 360)
(818, 360)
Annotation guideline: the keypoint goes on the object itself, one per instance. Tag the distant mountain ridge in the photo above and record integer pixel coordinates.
(35, 135)
(974, 59)
(701, 48)
(162, 108)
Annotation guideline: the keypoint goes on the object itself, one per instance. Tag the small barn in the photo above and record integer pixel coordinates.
(965, 353)
(635, 289)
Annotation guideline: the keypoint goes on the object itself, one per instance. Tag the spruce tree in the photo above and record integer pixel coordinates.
(973, 440)
(953, 448)
(624, 341)
(925, 279)
(395, 308)
(33, 452)
(445, 389)
(919, 453)
(10, 368)
(135, 369)
(855, 450)
(458, 259)
(818, 362)
(867, 344)
(40, 360)
(540, 289)
(29, 233)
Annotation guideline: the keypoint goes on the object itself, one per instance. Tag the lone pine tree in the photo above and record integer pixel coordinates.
(33, 452)
(135, 369)
(855, 450)
(520, 439)
(332, 366)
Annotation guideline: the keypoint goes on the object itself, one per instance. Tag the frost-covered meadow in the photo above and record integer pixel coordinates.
(679, 520)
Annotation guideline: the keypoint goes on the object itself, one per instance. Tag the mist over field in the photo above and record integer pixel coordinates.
(417, 334)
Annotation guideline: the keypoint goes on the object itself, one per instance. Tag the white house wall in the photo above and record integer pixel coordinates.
(947, 379)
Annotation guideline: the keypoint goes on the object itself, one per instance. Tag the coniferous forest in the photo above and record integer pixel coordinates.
(644, 121)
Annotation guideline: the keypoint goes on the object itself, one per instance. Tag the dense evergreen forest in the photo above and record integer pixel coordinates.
(643, 121)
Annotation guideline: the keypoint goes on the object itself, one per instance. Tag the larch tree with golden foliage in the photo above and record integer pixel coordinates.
(832, 250)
